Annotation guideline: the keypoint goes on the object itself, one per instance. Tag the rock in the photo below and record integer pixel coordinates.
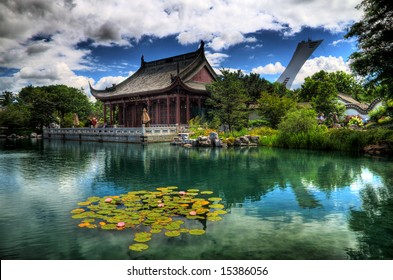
(377, 149)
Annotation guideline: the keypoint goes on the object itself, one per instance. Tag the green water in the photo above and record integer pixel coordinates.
(282, 204)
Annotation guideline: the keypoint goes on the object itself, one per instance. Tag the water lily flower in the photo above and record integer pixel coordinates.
(161, 205)
(182, 192)
(108, 199)
(121, 224)
(193, 213)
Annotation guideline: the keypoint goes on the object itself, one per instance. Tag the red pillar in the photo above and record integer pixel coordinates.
(157, 111)
(178, 109)
(111, 114)
(168, 105)
(133, 109)
(187, 108)
(124, 115)
(104, 112)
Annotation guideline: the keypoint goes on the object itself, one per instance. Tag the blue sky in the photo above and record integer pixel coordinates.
(74, 42)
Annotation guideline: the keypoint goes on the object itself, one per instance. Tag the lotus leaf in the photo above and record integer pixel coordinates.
(216, 206)
(220, 212)
(142, 236)
(109, 226)
(172, 233)
(214, 218)
(94, 199)
(206, 192)
(88, 220)
(172, 226)
(138, 247)
(172, 188)
(155, 230)
(84, 203)
(193, 190)
(214, 199)
(196, 231)
(77, 211)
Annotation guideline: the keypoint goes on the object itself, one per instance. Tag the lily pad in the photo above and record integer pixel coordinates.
(172, 233)
(138, 247)
(142, 236)
(214, 218)
(214, 199)
(196, 231)
(206, 192)
(216, 206)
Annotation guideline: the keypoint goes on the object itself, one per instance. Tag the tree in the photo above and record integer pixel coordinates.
(374, 59)
(321, 91)
(274, 107)
(6, 98)
(228, 100)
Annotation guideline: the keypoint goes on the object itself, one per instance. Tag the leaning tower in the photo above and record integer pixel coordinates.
(303, 51)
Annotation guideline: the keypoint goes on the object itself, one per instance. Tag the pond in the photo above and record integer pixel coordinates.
(281, 204)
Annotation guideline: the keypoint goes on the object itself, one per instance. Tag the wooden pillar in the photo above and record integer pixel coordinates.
(168, 111)
(158, 119)
(187, 108)
(124, 115)
(133, 108)
(199, 104)
(111, 114)
(178, 109)
(104, 113)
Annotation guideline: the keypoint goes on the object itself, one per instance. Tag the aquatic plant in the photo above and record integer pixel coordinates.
(163, 211)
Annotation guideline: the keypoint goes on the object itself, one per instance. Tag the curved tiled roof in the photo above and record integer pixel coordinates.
(351, 103)
(159, 76)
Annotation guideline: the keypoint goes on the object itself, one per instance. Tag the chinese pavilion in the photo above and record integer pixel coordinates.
(172, 90)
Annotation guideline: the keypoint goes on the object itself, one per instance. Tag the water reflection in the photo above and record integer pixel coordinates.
(323, 205)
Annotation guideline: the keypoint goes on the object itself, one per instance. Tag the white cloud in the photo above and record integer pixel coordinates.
(215, 59)
(61, 25)
(269, 69)
(312, 66)
(108, 81)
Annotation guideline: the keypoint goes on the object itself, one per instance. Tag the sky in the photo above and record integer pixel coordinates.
(74, 42)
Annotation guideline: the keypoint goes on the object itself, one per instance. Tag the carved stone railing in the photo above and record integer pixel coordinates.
(112, 134)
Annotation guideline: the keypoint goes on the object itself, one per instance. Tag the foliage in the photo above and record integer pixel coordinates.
(373, 32)
(299, 129)
(355, 120)
(274, 107)
(322, 91)
(257, 123)
(16, 117)
(228, 100)
(39, 106)
(6, 98)
(164, 209)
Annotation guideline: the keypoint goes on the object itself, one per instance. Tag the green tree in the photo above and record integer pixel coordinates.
(6, 98)
(321, 91)
(374, 33)
(228, 100)
(16, 117)
(274, 107)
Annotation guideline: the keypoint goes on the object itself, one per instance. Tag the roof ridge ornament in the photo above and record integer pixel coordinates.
(202, 45)
(143, 60)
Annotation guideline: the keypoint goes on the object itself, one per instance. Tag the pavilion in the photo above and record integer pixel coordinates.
(172, 90)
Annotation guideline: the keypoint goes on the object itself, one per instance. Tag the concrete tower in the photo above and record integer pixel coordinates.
(303, 51)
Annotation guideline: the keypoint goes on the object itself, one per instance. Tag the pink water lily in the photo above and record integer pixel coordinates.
(121, 224)
(109, 199)
(182, 192)
(160, 205)
(193, 213)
